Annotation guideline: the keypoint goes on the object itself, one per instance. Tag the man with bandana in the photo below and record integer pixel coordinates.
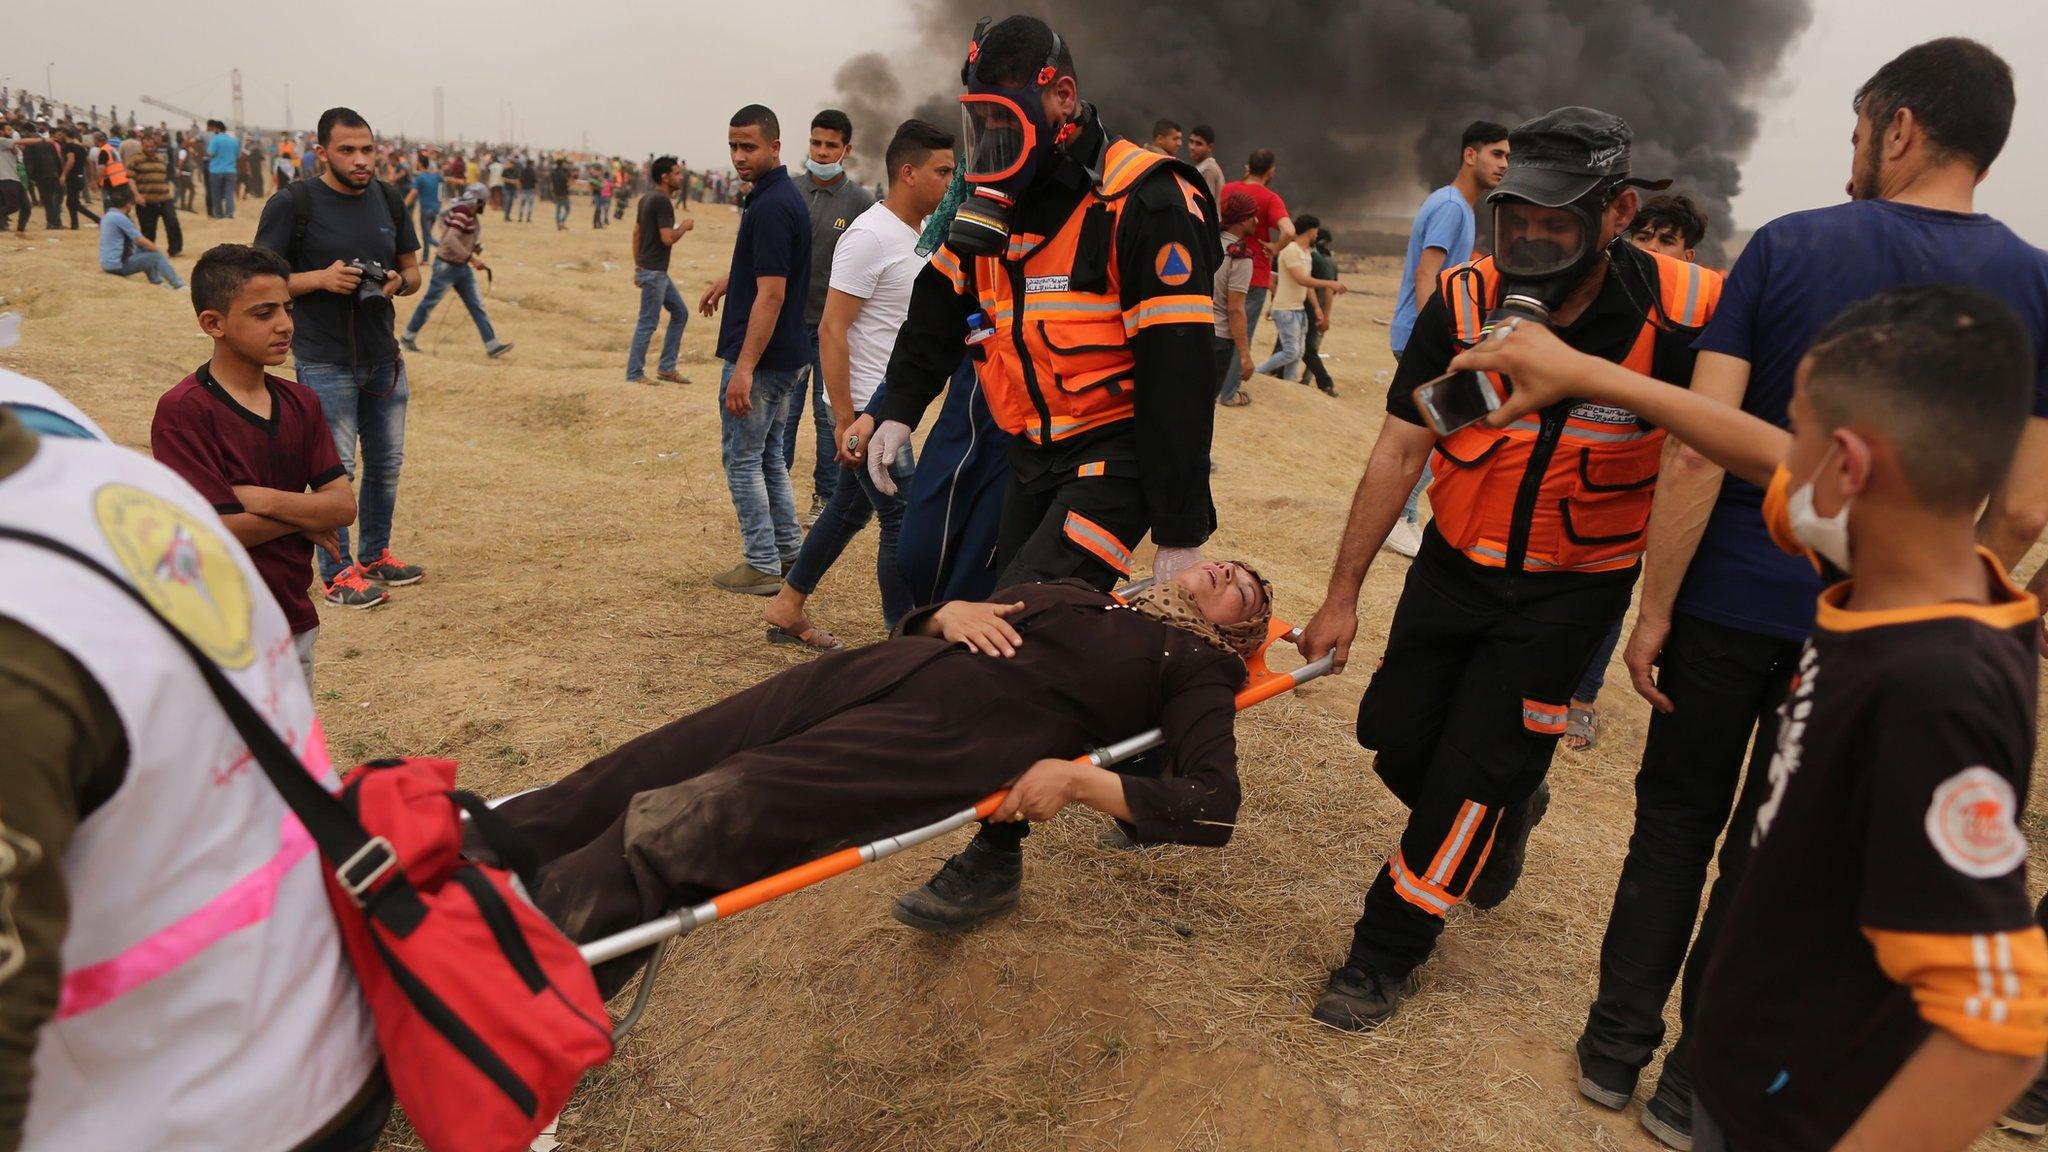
(862, 743)
(1076, 273)
(1537, 537)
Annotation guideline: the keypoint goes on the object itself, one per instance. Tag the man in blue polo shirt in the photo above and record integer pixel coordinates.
(764, 345)
(1723, 611)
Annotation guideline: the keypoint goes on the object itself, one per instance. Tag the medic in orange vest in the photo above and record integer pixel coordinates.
(1076, 273)
(1537, 538)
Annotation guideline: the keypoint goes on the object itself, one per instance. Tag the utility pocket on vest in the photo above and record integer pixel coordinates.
(1090, 272)
(1612, 501)
(1458, 490)
(1616, 471)
(1090, 355)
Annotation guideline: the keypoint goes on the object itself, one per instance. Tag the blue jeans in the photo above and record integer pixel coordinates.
(1292, 324)
(526, 199)
(854, 500)
(220, 188)
(1596, 672)
(824, 472)
(1254, 303)
(754, 469)
(154, 265)
(461, 278)
(561, 212)
(369, 402)
(428, 214)
(658, 292)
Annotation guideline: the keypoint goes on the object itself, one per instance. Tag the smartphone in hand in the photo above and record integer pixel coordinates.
(1454, 400)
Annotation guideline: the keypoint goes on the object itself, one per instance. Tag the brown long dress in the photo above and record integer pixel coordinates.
(860, 744)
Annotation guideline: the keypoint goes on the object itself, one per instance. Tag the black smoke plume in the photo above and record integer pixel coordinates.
(1364, 100)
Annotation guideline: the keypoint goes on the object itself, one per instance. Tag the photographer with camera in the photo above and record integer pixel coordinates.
(351, 246)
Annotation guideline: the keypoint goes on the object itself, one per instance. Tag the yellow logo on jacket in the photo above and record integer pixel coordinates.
(183, 568)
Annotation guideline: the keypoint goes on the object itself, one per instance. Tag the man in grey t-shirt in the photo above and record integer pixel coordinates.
(835, 201)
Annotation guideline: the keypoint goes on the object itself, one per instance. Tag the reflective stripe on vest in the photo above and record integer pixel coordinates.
(1098, 542)
(1592, 503)
(1061, 363)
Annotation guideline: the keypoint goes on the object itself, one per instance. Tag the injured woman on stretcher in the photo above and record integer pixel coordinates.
(962, 700)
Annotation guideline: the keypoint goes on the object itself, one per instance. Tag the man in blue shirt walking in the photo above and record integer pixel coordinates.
(1442, 237)
(1723, 612)
(765, 347)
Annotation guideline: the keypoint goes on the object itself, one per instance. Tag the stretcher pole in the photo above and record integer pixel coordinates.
(1262, 685)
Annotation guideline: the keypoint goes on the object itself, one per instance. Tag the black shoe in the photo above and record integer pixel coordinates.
(1510, 850)
(1668, 1117)
(1359, 999)
(1608, 1083)
(2028, 1114)
(978, 884)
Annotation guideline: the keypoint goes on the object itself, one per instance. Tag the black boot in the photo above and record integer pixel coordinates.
(2029, 1114)
(1510, 850)
(978, 884)
(1360, 998)
(1668, 1115)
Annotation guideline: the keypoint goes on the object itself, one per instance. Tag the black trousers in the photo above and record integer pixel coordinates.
(52, 192)
(13, 199)
(146, 217)
(1059, 533)
(74, 200)
(1311, 356)
(1464, 713)
(1724, 684)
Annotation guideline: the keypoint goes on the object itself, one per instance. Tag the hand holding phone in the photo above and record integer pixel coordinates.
(1454, 400)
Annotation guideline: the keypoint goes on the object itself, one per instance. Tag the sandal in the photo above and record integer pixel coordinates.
(1238, 401)
(814, 638)
(1582, 725)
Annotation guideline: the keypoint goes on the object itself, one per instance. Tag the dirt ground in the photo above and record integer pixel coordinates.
(1154, 1000)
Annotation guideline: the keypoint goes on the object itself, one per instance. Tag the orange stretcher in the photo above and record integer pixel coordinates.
(1261, 685)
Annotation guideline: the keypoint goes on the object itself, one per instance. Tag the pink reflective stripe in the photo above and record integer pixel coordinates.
(247, 901)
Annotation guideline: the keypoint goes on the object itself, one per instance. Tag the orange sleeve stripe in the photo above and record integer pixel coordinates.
(1989, 990)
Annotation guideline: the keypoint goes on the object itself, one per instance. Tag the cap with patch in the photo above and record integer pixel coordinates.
(1564, 154)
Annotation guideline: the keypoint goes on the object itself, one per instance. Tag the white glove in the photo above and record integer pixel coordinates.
(889, 439)
(1170, 562)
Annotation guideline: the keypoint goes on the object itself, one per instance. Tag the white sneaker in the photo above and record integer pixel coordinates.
(1406, 538)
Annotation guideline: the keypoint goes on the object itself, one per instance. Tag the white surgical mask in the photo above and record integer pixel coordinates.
(1828, 536)
(823, 171)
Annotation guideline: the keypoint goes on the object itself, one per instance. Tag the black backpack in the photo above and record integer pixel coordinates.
(302, 215)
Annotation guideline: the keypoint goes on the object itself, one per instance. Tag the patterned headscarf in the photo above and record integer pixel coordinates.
(1175, 606)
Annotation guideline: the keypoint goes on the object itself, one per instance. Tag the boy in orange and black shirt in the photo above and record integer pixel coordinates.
(1880, 980)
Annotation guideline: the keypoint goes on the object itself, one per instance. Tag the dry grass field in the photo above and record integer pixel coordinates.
(1153, 1000)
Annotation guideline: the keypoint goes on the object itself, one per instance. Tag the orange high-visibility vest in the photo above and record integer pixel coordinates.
(113, 173)
(1062, 364)
(1595, 466)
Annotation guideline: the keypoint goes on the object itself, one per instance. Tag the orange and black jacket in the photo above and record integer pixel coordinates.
(1109, 362)
(1568, 489)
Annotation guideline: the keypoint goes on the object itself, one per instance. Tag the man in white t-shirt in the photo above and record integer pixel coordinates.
(873, 267)
(1294, 306)
(1238, 215)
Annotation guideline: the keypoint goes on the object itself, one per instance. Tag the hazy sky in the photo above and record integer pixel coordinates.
(641, 75)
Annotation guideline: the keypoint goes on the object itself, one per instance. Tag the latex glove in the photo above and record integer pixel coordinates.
(890, 438)
(1170, 562)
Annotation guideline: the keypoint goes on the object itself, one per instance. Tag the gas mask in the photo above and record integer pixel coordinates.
(1543, 253)
(1006, 139)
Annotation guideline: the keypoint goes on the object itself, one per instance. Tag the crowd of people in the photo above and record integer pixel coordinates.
(1814, 475)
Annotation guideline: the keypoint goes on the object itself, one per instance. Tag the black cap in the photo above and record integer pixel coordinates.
(1564, 154)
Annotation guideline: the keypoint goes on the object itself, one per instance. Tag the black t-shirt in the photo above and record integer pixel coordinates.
(655, 213)
(41, 160)
(1889, 841)
(560, 182)
(80, 162)
(529, 177)
(332, 328)
(1607, 329)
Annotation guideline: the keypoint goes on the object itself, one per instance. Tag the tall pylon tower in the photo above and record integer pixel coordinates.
(439, 132)
(236, 76)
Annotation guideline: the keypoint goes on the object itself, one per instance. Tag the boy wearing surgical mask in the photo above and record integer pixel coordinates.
(835, 201)
(1879, 979)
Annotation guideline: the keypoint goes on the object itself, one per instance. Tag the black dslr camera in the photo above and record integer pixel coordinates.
(371, 286)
